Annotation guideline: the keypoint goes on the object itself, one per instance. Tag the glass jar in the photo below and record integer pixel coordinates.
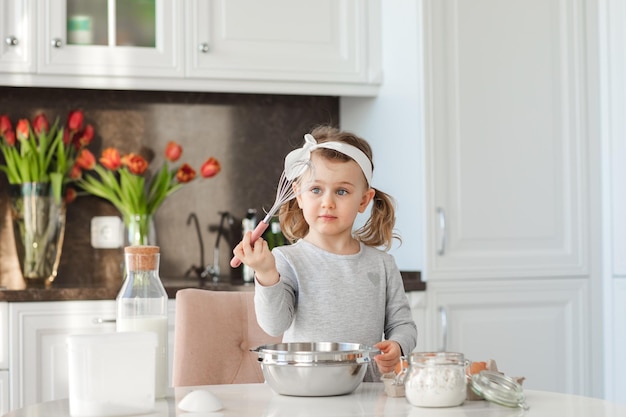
(436, 379)
(142, 305)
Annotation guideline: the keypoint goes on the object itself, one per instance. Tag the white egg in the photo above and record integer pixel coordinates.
(200, 401)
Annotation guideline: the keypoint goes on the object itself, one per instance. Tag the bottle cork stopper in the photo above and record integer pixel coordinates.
(142, 258)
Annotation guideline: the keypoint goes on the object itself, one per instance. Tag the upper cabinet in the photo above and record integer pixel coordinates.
(507, 136)
(322, 41)
(324, 47)
(16, 36)
(110, 37)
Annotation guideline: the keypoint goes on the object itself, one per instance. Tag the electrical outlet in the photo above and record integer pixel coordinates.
(107, 232)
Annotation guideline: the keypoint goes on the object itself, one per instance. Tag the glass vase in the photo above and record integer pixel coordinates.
(38, 229)
(140, 230)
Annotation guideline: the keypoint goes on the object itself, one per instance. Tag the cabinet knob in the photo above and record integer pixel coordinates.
(11, 40)
(203, 47)
(56, 42)
(100, 320)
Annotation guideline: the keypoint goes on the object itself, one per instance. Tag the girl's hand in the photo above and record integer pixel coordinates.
(258, 257)
(389, 357)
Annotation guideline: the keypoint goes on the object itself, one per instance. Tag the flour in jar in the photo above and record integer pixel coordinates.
(436, 386)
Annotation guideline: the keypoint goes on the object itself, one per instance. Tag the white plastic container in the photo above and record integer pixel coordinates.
(111, 374)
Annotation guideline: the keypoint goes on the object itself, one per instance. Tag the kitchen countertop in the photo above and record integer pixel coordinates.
(369, 399)
(108, 291)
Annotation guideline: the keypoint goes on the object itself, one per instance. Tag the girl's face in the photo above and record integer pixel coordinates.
(331, 202)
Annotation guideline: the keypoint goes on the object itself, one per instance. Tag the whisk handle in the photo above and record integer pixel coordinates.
(256, 233)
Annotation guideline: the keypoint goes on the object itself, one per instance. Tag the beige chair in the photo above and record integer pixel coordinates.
(214, 333)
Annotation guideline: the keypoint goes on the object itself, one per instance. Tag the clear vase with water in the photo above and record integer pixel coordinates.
(142, 305)
(38, 229)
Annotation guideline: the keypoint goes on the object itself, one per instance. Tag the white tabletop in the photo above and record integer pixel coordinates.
(252, 400)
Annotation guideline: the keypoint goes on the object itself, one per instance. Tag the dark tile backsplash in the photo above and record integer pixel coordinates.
(249, 134)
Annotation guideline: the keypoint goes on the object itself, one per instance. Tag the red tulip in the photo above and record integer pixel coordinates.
(9, 137)
(40, 124)
(6, 130)
(76, 172)
(70, 195)
(85, 160)
(22, 129)
(5, 124)
(66, 137)
(185, 174)
(110, 159)
(75, 120)
(136, 163)
(83, 138)
(210, 168)
(173, 151)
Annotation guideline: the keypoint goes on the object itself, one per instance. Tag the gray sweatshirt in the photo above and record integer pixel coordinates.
(325, 297)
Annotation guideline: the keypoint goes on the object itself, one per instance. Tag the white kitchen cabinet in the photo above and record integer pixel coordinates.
(4, 335)
(511, 212)
(39, 362)
(273, 46)
(17, 36)
(531, 328)
(311, 41)
(4, 357)
(4, 392)
(507, 131)
(90, 38)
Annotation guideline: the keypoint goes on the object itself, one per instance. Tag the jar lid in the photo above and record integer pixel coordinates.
(499, 389)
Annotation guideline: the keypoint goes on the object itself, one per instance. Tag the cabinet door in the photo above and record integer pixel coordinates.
(110, 37)
(39, 362)
(4, 358)
(16, 35)
(4, 335)
(284, 40)
(530, 328)
(4, 392)
(506, 132)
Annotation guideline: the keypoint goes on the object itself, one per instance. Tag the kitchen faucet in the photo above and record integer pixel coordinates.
(213, 270)
(194, 269)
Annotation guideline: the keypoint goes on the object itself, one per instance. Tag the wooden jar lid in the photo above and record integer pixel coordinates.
(142, 258)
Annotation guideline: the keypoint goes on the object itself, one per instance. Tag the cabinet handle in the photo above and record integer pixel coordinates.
(100, 320)
(203, 47)
(11, 41)
(441, 215)
(56, 42)
(443, 317)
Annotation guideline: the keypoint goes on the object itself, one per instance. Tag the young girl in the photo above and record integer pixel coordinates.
(333, 284)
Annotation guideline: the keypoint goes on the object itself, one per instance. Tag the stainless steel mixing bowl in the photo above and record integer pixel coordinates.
(314, 369)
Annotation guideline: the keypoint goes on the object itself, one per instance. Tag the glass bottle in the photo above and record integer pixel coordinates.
(142, 305)
(247, 225)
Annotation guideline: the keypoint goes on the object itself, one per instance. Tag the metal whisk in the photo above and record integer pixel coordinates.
(284, 192)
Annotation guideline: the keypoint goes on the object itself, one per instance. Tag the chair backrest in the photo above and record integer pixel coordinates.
(213, 335)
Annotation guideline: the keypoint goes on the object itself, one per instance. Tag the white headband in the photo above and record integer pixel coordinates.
(295, 158)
